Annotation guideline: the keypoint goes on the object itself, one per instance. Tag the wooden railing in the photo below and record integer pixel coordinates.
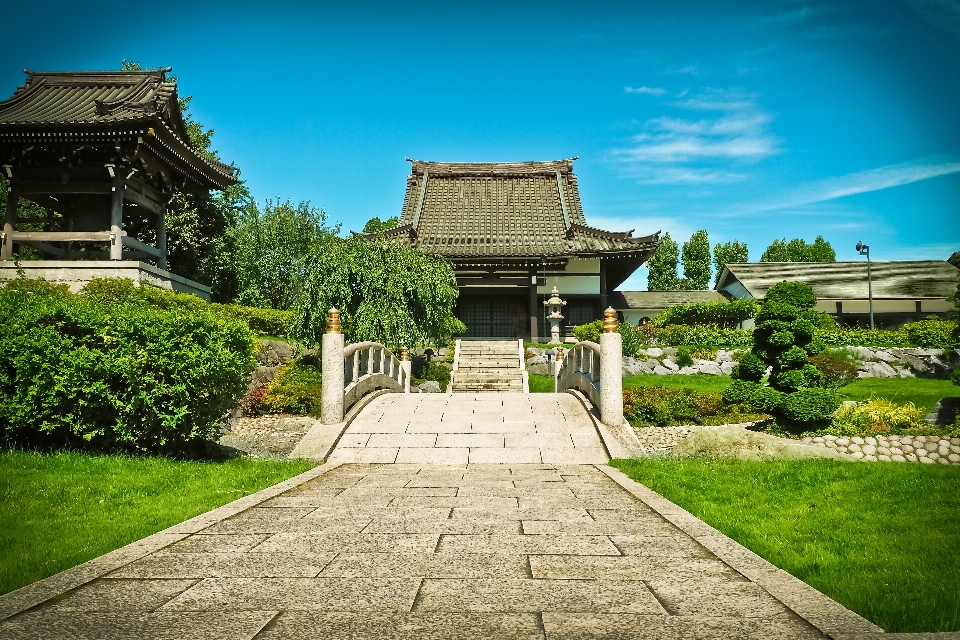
(369, 366)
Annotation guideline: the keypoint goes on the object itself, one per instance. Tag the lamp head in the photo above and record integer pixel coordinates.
(859, 247)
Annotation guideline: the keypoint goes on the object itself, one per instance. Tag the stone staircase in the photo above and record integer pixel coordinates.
(489, 365)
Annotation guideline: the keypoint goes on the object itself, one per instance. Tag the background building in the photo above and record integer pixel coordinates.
(903, 291)
(515, 230)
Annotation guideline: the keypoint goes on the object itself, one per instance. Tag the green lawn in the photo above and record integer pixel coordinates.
(922, 392)
(540, 383)
(698, 381)
(63, 509)
(882, 539)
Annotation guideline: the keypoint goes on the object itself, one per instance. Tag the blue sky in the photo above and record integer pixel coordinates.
(752, 120)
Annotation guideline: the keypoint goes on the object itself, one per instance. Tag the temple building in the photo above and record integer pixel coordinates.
(514, 231)
(103, 152)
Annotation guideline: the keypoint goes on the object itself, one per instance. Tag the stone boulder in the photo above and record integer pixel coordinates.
(274, 352)
(735, 442)
(430, 386)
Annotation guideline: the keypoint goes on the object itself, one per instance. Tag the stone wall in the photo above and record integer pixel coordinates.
(923, 449)
(876, 362)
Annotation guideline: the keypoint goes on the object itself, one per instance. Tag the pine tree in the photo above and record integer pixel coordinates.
(663, 266)
(728, 252)
(696, 260)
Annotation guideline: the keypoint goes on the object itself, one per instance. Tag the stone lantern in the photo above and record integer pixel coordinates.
(553, 305)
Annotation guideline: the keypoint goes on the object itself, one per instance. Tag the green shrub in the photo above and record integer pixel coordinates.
(810, 406)
(750, 368)
(632, 338)
(931, 332)
(684, 359)
(297, 388)
(795, 294)
(857, 337)
(676, 335)
(722, 314)
(81, 373)
(837, 371)
(872, 418)
(663, 406)
(269, 322)
(264, 322)
(421, 371)
(753, 395)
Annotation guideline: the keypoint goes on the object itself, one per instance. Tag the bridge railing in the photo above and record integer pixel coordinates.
(596, 371)
(352, 372)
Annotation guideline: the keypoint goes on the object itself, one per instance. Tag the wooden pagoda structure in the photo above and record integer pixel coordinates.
(515, 230)
(103, 151)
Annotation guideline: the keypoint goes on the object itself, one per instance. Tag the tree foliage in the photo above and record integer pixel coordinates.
(696, 260)
(197, 223)
(385, 292)
(663, 265)
(722, 314)
(797, 250)
(270, 248)
(376, 225)
(729, 252)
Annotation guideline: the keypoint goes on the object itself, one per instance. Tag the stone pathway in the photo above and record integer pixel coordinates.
(438, 543)
(461, 428)
(421, 551)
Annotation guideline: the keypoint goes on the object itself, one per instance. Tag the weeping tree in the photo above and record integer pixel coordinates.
(386, 292)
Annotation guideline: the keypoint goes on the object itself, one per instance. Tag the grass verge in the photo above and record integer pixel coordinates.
(881, 539)
(60, 510)
(540, 383)
(697, 381)
(923, 392)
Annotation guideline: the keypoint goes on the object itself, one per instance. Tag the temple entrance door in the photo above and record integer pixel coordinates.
(494, 316)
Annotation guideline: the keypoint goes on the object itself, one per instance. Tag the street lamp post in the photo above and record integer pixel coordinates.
(864, 250)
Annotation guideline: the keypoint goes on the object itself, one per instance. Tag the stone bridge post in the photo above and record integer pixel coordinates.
(611, 370)
(407, 367)
(331, 366)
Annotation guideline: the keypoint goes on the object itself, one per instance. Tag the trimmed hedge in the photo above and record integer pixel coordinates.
(81, 372)
(270, 322)
(677, 335)
(721, 314)
(632, 338)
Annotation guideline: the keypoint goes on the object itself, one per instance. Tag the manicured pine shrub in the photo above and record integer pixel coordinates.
(783, 341)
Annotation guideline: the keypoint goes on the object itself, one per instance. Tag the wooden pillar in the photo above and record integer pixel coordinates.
(839, 312)
(116, 219)
(162, 237)
(10, 219)
(534, 310)
(603, 286)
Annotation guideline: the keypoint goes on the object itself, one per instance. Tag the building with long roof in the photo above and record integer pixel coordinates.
(903, 291)
(515, 230)
(104, 152)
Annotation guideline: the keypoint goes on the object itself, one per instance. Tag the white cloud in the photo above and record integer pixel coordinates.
(674, 150)
(654, 91)
(944, 14)
(690, 69)
(893, 175)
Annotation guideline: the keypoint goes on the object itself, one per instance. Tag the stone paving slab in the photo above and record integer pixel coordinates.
(433, 551)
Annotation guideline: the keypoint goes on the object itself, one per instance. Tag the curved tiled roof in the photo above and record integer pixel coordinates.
(54, 101)
(503, 209)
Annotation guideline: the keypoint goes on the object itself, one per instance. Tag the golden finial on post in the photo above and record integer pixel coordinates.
(560, 355)
(333, 320)
(404, 354)
(610, 320)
